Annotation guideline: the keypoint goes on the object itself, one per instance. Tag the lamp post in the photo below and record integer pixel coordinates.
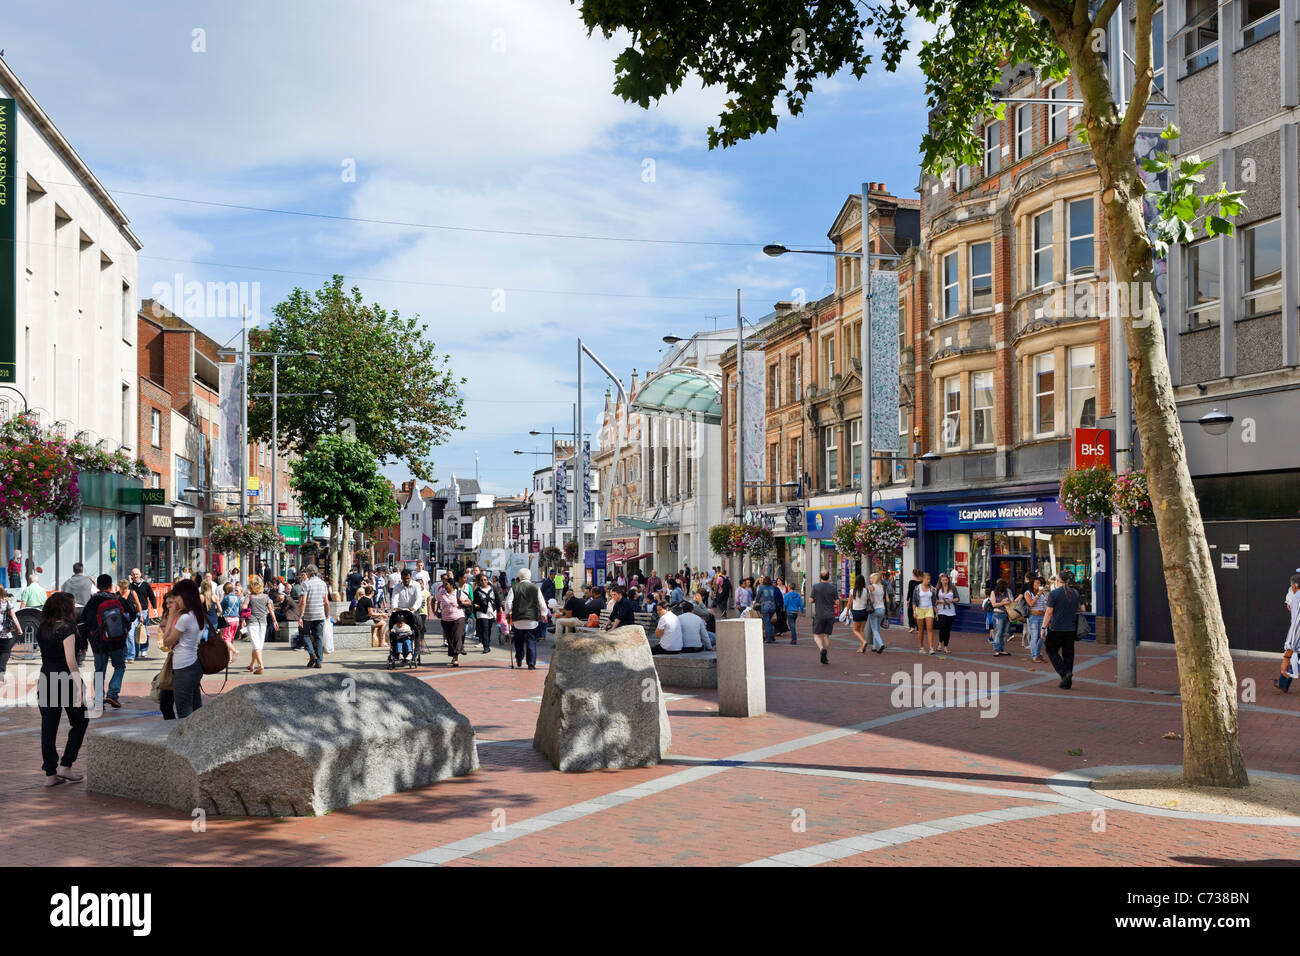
(275, 396)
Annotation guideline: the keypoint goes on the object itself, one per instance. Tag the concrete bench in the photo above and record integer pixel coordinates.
(687, 669)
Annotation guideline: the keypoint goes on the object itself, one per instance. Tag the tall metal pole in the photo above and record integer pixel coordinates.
(740, 428)
(867, 443)
(275, 455)
(1125, 543)
(243, 444)
(577, 511)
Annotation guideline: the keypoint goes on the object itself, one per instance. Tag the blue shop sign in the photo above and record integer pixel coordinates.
(988, 515)
(821, 522)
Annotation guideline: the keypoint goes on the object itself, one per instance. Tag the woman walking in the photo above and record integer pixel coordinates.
(10, 629)
(1036, 597)
(945, 609)
(452, 601)
(60, 688)
(767, 597)
(182, 626)
(231, 606)
(260, 610)
(879, 608)
(923, 613)
(485, 611)
(860, 611)
(1001, 621)
(793, 608)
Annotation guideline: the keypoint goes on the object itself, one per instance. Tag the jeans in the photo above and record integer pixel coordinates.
(137, 644)
(185, 689)
(1035, 626)
(483, 625)
(118, 656)
(791, 619)
(1060, 650)
(6, 648)
(525, 646)
(1001, 624)
(944, 622)
(403, 648)
(876, 617)
(77, 724)
(314, 639)
(768, 631)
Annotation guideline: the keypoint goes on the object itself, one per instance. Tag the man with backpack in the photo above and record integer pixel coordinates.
(106, 623)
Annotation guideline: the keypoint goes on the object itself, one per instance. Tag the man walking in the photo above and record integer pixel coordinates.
(525, 612)
(106, 623)
(139, 641)
(311, 614)
(1060, 621)
(354, 579)
(823, 601)
(79, 585)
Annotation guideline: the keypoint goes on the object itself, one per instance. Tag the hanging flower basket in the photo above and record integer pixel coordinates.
(236, 538)
(755, 540)
(1087, 495)
(571, 550)
(38, 479)
(1132, 499)
(874, 538)
(550, 555)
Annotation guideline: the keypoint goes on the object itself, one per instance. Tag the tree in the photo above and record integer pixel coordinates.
(338, 479)
(762, 53)
(385, 375)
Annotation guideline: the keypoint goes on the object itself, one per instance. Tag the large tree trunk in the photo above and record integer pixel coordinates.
(1211, 749)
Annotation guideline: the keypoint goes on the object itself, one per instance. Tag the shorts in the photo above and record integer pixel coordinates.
(924, 612)
(860, 615)
(823, 625)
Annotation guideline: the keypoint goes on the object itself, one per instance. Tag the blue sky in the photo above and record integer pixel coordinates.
(492, 115)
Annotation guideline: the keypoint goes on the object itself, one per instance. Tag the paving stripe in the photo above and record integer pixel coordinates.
(894, 836)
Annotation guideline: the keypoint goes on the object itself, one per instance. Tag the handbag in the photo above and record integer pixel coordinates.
(1081, 629)
(1021, 607)
(214, 653)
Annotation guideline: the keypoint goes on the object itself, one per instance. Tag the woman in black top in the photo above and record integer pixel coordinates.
(60, 688)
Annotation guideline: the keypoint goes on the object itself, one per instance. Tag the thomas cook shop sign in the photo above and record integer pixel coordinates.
(8, 244)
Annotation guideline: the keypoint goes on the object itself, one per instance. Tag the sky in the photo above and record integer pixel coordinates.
(488, 116)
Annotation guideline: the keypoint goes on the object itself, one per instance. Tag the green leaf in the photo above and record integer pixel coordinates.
(1218, 226)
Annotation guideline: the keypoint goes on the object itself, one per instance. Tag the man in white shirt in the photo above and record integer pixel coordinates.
(422, 575)
(695, 636)
(669, 632)
(394, 585)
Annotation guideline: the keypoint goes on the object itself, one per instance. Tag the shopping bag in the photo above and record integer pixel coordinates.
(327, 635)
(845, 615)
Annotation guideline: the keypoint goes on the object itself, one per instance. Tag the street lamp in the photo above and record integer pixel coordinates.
(1215, 422)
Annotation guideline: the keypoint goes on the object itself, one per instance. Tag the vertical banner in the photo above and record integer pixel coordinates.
(229, 461)
(586, 480)
(8, 243)
(755, 424)
(561, 494)
(884, 361)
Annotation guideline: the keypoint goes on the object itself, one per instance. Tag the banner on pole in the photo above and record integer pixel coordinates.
(229, 460)
(9, 242)
(586, 480)
(884, 361)
(755, 423)
(561, 494)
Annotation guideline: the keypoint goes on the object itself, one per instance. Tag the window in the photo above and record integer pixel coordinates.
(774, 385)
(981, 409)
(1259, 19)
(963, 176)
(774, 471)
(853, 343)
(1158, 49)
(855, 451)
(830, 446)
(184, 475)
(1058, 115)
(1024, 130)
(1262, 255)
(1083, 387)
(156, 480)
(1081, 238)
(992, 148)
(950, 285)
(155, 428)
(1201, 39)
(796, 378)
(981, 276)
(952, 412)
(900, 463)
(828, 359)
(1203, 283)
(1042, 230)
(1044, 394)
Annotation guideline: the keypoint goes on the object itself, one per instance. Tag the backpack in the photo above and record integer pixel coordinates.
(110, 621)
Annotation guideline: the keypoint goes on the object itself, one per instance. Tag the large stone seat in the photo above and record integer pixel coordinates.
(688, 669)
(603, 704)
(289, 748)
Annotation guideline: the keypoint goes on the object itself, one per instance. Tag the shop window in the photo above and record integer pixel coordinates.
(1082, 234)
(1042, 256)
(981, 276)
(1201, 34)
(1262, 262)
(981, 425)
(1202, 271)
(1083, 387)
(1044, 394)
(952, 412)
(950, 285)
(1259, 19)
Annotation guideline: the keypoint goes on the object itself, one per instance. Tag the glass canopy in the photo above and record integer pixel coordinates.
(682, 391)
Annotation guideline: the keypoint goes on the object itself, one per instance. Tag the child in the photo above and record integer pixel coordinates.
(402, 640)
(231, 605)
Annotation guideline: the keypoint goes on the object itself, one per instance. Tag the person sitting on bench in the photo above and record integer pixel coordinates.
(624, 611)
(669, 632)
(695, 636)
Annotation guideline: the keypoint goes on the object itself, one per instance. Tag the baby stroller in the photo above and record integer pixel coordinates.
(404, 618)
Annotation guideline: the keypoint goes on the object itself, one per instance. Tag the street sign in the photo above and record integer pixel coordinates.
(1093, 447)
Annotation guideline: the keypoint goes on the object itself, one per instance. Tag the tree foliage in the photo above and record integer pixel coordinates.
(385, 374)
(339, 478)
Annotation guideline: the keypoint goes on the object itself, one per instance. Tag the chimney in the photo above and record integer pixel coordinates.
(785, 305)
(632, 391)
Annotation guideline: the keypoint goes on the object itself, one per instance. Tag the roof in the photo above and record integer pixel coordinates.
(468, 486)
(683, 390)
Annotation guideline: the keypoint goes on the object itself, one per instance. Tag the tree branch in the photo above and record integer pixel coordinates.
(1142, 74)
(1104, 14)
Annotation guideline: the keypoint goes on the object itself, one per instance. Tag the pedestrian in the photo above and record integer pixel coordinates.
(824, 597)
(793, 608)
(16, 570)
(779, 623)
(525, 613)
(80, 586)
(879, 608)
(106, 623)
(721, 593)
(452, 604)
(744, 596)
(1036, 597)
(184, 621)
(232, 605)
(485, 611)
(911, 608)
(922, 612)
(132, 603)
(860, 610)
(1060, 621)
(945, 610)
(311, 614)
(148, 601)
(34, 594)
(258, 603)
(999, 603)
(60, 689)
(10, 630)
(766, 597)
(353, 583)
(1290, 647)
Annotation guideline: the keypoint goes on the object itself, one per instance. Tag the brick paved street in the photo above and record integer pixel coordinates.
(834, 774)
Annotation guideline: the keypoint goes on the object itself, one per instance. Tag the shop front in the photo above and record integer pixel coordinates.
(292, 543)
(159, 564)
(625, 556)
(821, 524)
(104, 538)
(983, 541)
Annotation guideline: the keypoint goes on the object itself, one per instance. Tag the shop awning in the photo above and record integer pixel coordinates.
(634, 557)
(682, 391)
